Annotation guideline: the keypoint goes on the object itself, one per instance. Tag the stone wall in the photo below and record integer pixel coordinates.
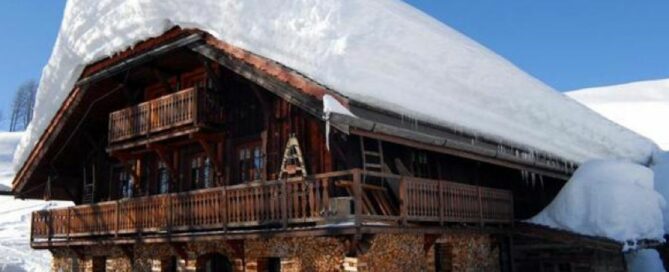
(382, 252)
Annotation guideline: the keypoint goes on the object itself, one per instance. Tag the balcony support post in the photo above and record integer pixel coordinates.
(284, 204)
(170, 214)
(403, 201)
(224, 209)
(69, 222)
(442, 201)
(357, 196)
(480, 198)
(118, 217)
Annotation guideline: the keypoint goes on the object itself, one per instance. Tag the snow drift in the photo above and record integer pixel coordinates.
(383, 52)
(644, 260)
(642, 107)
(661, 169)
(613, 199)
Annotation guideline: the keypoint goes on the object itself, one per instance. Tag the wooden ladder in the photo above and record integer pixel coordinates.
(293, 161)
(89, 187)
(372, 154)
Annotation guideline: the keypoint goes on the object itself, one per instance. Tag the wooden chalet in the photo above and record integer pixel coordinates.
(186, 153)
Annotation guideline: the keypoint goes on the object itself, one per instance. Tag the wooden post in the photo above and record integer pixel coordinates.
(49, 229)
(284, 204)
(357, 195)
(224, 208)
(196, 106)
(32, 226)
(478, 190)
(441, 201)
(118, 217)
(403, 201)
(69, 222)
(170, 214)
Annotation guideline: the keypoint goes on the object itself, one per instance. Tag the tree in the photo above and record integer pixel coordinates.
(22, 106)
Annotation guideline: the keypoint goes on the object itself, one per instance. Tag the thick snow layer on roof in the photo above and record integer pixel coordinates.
(608, 198)
(382, 52)
(8, 142)
(642, 107)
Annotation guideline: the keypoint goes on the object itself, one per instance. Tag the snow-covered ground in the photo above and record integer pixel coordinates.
(640, 106)
(15, 252)
(382, 52)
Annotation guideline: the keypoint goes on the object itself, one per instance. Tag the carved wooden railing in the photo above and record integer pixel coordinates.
(279, 204)
(190, 106)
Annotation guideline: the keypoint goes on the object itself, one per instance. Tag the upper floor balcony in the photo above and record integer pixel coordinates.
(352, 199)
(181, 112)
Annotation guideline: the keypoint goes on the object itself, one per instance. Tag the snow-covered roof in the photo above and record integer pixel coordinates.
(642, 106)
(383, 52)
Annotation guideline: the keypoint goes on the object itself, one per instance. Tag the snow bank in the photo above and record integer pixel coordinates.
(383, 52)
(661, 169)
(8, 142)
(644, 260)
(613, 199)
(15, 251)
(642, 107)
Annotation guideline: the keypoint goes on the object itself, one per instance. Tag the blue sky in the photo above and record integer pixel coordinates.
(568, 44)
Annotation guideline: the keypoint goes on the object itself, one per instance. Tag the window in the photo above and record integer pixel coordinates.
(201, 172)
(75, 264)
(125, 182)
(169, 264)
(213, 262)
(250, 161)
(99, 264)
(163, 178)
(269, 265)
(443, 257)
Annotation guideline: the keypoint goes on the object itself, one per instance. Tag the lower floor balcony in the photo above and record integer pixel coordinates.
(352, 197)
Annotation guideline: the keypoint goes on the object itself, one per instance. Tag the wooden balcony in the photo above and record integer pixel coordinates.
(279, 205)
(189, 108)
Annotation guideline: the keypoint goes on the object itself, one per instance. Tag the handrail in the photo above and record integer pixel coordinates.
(278, 203)
(188, 106)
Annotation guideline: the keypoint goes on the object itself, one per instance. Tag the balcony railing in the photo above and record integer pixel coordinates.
(194, 106)
(282, 204)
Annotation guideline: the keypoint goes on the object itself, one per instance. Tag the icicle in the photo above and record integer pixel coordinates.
(541, 181)
(534, 181)
(327, 131)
